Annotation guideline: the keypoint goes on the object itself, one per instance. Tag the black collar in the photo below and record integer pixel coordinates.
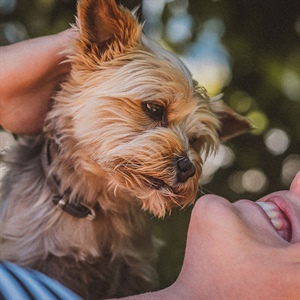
(75, 209)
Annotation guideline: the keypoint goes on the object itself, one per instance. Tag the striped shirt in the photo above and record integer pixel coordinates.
(18, 283)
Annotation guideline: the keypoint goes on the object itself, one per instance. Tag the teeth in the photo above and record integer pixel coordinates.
(276, 223)
(272, 212)
(277, 218)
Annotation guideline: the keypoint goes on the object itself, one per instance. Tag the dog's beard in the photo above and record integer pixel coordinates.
(145, 167)
(158, 192)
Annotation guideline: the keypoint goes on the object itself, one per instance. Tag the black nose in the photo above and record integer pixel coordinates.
(185, 169)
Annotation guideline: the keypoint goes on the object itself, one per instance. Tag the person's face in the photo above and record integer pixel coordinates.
(250, 249)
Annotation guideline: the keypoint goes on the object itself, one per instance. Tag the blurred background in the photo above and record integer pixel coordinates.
(248, 50)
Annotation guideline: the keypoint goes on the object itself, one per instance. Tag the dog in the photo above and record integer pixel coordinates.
(128, 132)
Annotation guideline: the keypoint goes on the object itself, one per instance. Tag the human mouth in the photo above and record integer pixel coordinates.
(278, 219)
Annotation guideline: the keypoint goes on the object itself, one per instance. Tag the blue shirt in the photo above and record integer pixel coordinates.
(18, 283)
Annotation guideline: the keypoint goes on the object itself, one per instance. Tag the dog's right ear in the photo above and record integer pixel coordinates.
(105, 29)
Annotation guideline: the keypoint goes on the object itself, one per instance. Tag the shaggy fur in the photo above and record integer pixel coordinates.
(129, 129)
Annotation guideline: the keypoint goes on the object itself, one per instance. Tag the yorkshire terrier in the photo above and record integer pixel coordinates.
(128, 131)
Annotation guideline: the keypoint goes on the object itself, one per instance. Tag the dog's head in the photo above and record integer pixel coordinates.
(136, 112)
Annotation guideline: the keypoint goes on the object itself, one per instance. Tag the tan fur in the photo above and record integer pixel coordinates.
(106, 150)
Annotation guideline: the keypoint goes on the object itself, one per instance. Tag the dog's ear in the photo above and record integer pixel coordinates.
(105, 27)
(232, 124)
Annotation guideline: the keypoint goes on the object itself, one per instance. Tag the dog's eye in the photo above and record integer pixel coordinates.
(192, 140)
(154, 111)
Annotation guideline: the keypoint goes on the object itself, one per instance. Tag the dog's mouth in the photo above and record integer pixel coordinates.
(155, 183)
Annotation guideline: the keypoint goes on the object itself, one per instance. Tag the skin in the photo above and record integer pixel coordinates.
(236, 252)
(233, 251)
(30, 72)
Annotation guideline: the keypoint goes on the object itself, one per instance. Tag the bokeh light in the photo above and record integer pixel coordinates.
(235, 182)
(240, 101)
(254, 181)
(290, 167)
(208, 59)
(178, 28)
(259, 120)
(223, 158)
(291, 85)
(12, 32)
(7, 6)
(277, 141)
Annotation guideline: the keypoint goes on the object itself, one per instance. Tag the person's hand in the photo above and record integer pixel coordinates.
(30, 71)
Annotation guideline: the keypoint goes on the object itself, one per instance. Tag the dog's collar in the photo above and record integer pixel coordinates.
(62, 200)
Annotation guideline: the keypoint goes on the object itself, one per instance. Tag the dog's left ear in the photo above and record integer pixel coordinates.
(105, 28)
(232, 124)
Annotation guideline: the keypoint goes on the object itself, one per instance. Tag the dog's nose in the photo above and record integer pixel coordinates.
(185, 169)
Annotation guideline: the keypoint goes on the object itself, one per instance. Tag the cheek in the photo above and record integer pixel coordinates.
(230, 225)
(257, 226)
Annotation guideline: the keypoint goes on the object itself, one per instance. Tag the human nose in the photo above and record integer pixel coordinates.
(295, 185)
